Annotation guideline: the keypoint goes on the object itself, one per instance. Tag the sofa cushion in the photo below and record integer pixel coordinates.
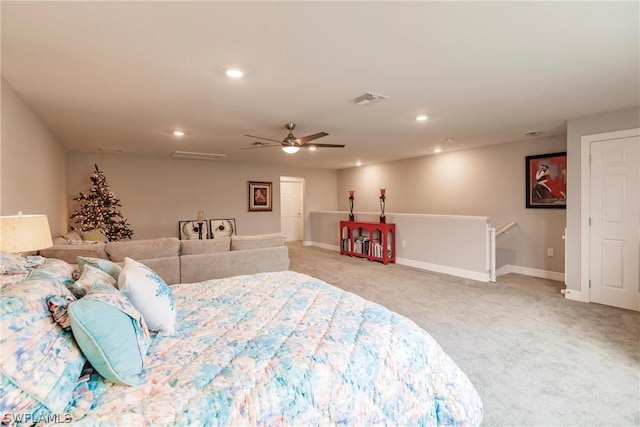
(239, 243)
(208, 246)
(70, 253)
(163, 247)
(196, 268)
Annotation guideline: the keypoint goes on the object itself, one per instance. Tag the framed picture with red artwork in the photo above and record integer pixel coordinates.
(546, 176)
(260, 196)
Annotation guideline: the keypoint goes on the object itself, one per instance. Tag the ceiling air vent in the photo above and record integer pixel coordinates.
(368, 98)
(194, 155)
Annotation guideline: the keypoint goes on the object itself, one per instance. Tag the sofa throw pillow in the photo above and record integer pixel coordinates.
(94, 235)
(149, 294)
(105, 265)
(110, 332)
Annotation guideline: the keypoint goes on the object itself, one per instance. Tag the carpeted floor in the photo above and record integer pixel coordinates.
(535, 358)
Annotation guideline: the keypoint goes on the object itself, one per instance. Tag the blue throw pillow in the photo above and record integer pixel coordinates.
(111, 333)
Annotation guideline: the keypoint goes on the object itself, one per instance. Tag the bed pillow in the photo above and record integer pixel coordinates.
(89, 275)
(149, 294)
(12, 263)
(110, 332)
(105, 265)
(40, 363)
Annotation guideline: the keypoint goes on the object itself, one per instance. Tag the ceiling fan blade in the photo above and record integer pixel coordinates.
(324, 145)
(308, 138)
(262, 137)
(260, 145)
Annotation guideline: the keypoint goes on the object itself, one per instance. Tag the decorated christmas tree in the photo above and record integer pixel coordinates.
(99, 210)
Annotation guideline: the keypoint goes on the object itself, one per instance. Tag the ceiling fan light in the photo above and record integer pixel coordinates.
(290, 149)
(234, 73)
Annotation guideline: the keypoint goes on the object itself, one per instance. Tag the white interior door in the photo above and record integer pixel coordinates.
(291, 198)
(615, 222)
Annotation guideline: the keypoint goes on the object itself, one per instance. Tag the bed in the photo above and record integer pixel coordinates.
(270, 349)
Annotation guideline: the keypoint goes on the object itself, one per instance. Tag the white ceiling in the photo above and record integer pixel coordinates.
(124, 75)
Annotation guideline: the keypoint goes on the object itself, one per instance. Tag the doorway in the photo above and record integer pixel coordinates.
(291, 207)
(611, 219)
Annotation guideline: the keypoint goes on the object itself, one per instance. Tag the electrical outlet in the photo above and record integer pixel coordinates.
(549, 251)
(404, 243)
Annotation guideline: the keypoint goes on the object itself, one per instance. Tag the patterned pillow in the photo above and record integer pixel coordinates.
(39, 363)
(13, 268)
(89, 275)
(12, 263)
(149, 294)
(110, 331)
(105, 265)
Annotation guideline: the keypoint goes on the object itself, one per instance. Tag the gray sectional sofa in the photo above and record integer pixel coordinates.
(188, 261)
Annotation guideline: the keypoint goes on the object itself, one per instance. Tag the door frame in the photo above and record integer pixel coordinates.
(585, 203)
(301, 181)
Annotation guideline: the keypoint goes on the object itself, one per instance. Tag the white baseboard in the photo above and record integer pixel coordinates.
(453, 271)
(321, 245)
(534, 272)
(467, 274)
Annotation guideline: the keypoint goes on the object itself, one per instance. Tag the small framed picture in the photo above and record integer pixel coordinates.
(222, 227)
(193, 230)
(260, 196)
(546, 181)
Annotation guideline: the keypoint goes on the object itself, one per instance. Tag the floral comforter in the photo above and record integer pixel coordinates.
(288, 349)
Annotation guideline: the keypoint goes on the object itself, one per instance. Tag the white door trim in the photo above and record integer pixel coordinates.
(585, 202)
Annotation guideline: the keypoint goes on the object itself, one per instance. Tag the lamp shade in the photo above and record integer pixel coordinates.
(22, 233)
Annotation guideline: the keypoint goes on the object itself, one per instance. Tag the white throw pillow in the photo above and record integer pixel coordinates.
(149, 294)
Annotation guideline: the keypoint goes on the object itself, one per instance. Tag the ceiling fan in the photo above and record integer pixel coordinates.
(291, 144)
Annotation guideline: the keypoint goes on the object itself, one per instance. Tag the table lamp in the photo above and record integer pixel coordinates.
(23, 233)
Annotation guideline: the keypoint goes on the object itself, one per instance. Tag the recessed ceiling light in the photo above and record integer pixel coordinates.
(437, 150)
(358, 163)
(313, 148)
(422, 117)
(178, 133)
(235, 73)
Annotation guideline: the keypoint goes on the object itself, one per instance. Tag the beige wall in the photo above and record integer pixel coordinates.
(32, 164)
(156, 193)
(577, 128)
(487, 181)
